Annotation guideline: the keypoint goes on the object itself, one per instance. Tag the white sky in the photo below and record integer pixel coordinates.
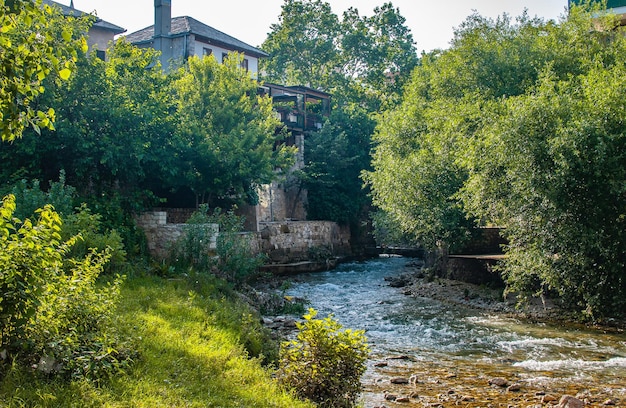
(431, 21)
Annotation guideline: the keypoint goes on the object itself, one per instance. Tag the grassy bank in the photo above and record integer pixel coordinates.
(194, 344)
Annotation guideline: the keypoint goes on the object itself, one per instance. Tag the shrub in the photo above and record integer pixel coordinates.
(233, 257)
(52, 313)
(324, 363)
(29, 197)
(93, 236)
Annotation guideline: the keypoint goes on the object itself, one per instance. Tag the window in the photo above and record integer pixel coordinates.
(207, 51)
(244, 64)
(224, 56)
(101, 54)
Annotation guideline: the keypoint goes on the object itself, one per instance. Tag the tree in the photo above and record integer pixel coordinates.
(360, 59)
(227, 132)
(564, 203)
(334, 158)
(518, 125)
(302, 44)
(415, 176)
(35, 42)
(112, 132)
(378, 54)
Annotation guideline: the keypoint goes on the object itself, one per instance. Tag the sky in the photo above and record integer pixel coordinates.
(431, 22)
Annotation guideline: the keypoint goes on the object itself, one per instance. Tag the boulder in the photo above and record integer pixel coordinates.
(514, 387)
(390, 397)
(500, 382)
(567, 401)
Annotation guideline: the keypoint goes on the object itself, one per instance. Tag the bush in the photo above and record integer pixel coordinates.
(29, 197)
(324, 363)
(53, 315)
(93, 232)
(93, 237)
(232, 258)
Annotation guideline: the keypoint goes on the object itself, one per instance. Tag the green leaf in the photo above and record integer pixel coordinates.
(65, 74)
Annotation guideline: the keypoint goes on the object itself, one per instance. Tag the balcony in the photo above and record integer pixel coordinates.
(301, 109)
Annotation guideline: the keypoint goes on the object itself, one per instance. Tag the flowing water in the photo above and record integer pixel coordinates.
(454, 352)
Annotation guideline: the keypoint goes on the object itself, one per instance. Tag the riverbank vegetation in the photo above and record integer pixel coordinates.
(187, 340)
(518, 124)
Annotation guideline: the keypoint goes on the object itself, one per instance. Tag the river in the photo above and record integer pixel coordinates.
(453, 352)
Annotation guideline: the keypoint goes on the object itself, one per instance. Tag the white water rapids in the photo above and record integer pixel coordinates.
(459, 349)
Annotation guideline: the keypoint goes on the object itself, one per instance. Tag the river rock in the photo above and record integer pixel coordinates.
(399, 380)
(608, 402)
(290, 323)
(391, 397)
(499, 381)
(548, 398)
(567, 401)
(514, 387)
(400, 357)
(381, 364)
(399, 281)
(403, 399)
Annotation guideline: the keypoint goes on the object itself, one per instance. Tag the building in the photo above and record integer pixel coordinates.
(99, 35)
(182, 37)
(301, 110)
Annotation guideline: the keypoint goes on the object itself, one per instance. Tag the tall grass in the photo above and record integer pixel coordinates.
(193, 343)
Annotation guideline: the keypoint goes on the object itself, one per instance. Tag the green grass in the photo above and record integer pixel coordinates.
(192, 341)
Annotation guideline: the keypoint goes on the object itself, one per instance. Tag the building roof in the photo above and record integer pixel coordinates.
(100, 23)
(185, 25)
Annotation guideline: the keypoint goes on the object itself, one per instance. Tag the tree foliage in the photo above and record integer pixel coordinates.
(334, 159)
(519, 125)
(36, 41)
(302, 44)
(227, 132)
(112, 132)
(360, 59)
(129, 134)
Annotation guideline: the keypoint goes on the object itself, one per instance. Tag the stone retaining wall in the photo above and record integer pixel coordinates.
(160, 235)
(296, 241)
(283, 242)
